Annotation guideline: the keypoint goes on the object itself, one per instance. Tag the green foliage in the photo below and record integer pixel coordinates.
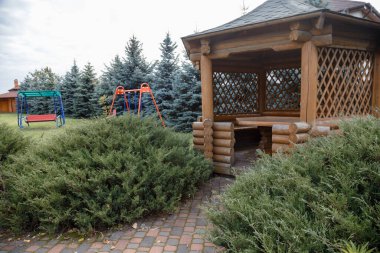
(310, 201)
(68, 87)
(99, 174)
(85, 100)
(43, 79)
(166, 70)
(350, 247)
(130, 72)
(11, 143)
(186, 106)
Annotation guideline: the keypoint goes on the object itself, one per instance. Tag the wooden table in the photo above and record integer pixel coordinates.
(264, 125)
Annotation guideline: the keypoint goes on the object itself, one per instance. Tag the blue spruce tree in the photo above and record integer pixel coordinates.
(84, 97)
(165, 73)
(68, 87)
(187, 98)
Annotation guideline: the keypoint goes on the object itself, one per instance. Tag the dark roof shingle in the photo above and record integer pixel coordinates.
(278, 9)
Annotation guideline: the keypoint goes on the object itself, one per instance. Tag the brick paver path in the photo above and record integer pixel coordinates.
(183, 231)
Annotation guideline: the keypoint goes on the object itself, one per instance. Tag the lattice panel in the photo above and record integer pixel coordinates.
(344, 82)
(283, 89)
(235, 93)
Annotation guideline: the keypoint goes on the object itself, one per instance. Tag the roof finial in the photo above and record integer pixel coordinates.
(244, 8)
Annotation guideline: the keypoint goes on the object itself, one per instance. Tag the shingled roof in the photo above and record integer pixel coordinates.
(279, 9)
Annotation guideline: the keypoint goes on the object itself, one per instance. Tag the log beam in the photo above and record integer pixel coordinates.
(300, 36)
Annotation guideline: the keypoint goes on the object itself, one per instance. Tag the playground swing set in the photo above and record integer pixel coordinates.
(127, 103)
(23, 108)
(59, 115)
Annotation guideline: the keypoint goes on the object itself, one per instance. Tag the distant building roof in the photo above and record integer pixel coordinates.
(279, 9)
(12, 93)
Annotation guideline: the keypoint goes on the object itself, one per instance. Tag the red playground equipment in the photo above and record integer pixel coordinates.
(144, 88)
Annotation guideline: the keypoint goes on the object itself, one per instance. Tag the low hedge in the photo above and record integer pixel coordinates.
(11, 143)
(100, 174)
(323, 194)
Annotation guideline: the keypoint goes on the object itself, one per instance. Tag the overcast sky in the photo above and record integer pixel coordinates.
(39, 33)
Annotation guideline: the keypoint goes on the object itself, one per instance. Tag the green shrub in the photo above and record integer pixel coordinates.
(11, 142)
(350, 247)
(310, 201)
(102, 173)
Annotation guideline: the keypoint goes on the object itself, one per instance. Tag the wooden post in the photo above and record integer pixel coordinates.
(309, 82)
(376, 85)
(206, 80)
(262, 90)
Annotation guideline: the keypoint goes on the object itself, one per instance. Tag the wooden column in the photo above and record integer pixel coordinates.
(262, 90)
(309, 82)
(376, 85)
(206, 80)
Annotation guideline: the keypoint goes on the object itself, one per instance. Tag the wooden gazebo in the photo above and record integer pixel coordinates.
(283, 72)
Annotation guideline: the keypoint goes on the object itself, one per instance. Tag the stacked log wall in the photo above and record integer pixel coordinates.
(287, 136)
(223, 142)
(216, 140)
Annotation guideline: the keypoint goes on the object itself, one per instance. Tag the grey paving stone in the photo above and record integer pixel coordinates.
(67, 251)
(42, 250)
(173, 242)
(182, 249)
(132, 246)
(140, 234)
(83, 248)
(147, 241)
(209, 250)
(201, 222)
(116, 235)
(198, 240)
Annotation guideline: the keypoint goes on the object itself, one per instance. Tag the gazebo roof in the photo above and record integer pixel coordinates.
(282, 9)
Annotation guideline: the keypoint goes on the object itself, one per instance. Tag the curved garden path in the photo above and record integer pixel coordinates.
(183, 231)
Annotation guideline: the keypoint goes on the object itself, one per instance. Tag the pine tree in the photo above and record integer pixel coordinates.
(84, 96)
(187, 103)
(43, 79)
(69, 87)
(165, 73)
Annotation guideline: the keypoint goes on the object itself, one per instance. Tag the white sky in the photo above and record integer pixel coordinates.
(39, 33)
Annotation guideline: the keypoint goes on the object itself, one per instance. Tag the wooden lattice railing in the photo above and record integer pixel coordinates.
(283, 89)
(344, 82)
(235, 93)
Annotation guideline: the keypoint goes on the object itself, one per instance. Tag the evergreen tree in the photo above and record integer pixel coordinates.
(69, 87)
(187, 105)
(43, 79)
(165, 73)
(129, 72)
(136, 68)
(84, 97)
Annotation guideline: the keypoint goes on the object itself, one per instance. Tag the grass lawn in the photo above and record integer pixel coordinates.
(38, 131)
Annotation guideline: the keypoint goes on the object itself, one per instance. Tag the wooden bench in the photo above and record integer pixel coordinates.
(40, 118)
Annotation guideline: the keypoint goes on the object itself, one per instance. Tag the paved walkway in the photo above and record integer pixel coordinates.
(184, 231)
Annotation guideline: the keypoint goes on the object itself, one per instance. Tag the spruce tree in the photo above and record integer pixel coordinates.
(69, 87)
(165, 73)
(136, 68)
(43, 79)
(187, 103)
(84, 96)
(129, 72)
